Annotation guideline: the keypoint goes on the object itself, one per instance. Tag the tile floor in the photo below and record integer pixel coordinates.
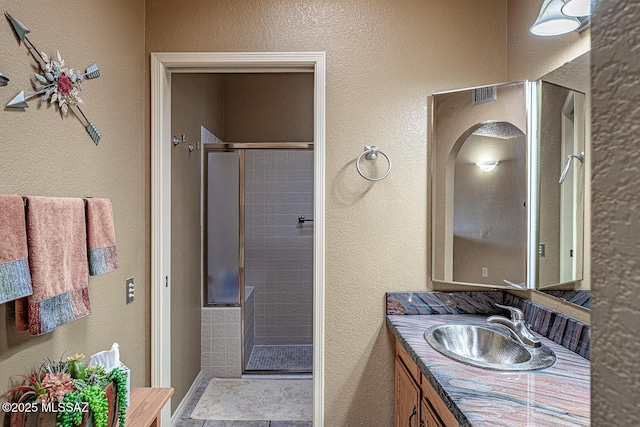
(298, 358)
(213, 423)
(186, 421)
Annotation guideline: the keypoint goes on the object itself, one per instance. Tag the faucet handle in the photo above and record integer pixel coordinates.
(516, 314)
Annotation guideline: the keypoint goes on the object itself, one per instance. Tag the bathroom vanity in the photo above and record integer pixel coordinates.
(432, 389)
(447, 393)
(416, 400)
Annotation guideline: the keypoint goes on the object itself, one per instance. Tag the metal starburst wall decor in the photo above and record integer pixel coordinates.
(56, 83)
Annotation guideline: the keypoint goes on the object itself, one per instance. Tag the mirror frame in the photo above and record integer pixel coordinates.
(533, 93)
(564, 76)
(572, 66)
(570, 284)
(531, 108)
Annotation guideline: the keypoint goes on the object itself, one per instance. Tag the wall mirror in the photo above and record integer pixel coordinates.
(481, 186)
(564, 129)
(561, 154)
(500, 217)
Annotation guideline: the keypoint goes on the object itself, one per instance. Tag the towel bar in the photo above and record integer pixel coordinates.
(371, 153)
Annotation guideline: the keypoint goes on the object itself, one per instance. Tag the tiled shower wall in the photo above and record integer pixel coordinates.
(279, 250)
(249, 322)
(221, 342)
(221, 339)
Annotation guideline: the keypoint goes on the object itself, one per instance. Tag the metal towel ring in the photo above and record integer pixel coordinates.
(371, 153)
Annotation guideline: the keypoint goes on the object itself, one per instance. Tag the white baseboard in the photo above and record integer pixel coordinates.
(187, 398)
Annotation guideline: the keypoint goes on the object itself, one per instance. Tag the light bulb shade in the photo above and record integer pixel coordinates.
(552, 22)
(577, 7)
(487, 165)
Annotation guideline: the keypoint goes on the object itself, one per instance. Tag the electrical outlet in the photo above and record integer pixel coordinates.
(130, 290)
(485, 272)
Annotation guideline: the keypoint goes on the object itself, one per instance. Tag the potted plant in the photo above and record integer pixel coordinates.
(67, 393)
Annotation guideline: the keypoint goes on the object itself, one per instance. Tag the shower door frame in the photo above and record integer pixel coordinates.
(163, 65)
(240, 148)
(221, 148)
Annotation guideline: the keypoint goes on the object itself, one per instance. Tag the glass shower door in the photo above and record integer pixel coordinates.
(223, 229)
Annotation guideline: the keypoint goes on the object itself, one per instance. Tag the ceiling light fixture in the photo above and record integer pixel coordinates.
(552, 22)
(487, 165)
(576, 7)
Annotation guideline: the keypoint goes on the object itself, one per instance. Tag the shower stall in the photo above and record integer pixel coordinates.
(258, 249)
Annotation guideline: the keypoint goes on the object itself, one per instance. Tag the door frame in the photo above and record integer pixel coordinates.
(568, 190)
(163, 65)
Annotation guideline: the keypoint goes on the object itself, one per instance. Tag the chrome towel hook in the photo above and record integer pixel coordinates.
(371, 153)
(570, 157)
(177, 141)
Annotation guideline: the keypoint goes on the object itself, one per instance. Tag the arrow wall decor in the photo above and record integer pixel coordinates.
(56, 83)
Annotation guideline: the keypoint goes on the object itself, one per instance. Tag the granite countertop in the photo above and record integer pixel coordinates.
(554, 397)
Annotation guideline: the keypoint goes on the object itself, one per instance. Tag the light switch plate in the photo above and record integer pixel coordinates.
(130, 290)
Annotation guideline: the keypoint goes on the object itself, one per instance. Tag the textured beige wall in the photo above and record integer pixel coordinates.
(384, 58)
(196, 99)
(44, 154)
(616, 234)
(273, 107)
(575, 74)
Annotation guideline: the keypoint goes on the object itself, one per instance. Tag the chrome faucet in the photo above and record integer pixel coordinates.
(518, 329)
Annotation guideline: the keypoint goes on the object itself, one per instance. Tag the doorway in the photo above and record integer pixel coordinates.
(163, 65)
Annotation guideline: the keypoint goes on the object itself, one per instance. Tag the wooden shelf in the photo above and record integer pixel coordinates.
(145, 406)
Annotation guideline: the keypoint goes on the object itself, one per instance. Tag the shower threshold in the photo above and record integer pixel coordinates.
(281, 358)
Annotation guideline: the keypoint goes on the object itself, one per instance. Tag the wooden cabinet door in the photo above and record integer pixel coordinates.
(407, 407)
(439, 411)
(428, 417)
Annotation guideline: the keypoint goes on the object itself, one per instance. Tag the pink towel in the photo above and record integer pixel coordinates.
(57, 240)
(15, 280)
(101, 237)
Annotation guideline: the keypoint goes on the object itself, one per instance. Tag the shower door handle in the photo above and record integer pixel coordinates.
(566, 167)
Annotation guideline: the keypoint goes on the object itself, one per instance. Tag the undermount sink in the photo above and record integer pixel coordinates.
(486, 348)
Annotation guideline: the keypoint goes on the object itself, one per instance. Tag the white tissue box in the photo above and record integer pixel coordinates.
(109, 359)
